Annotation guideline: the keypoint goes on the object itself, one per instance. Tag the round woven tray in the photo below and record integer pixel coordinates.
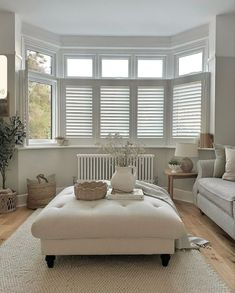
(90, 190)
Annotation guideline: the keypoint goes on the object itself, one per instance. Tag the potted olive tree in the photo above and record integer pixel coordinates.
(11, 133)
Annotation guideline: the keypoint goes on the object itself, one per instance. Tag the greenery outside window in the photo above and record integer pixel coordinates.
(40, 110)
(39, 62)
(41, 93)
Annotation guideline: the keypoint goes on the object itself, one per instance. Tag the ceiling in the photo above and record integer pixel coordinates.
(117, 18)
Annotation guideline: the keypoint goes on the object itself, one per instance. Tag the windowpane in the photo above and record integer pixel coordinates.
(78, 111)
(190, 64)
(150, 114)
(187, 109)
(39, 62)
(115, 67)
(114, 110)
(40, 126)
(79, 67)
(150, 68)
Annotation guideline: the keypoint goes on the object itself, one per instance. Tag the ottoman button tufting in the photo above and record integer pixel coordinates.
(60, 205)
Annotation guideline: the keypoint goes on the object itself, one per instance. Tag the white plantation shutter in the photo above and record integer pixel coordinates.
(187, 109)
(114, 110)
(78, 111)
(150, 113)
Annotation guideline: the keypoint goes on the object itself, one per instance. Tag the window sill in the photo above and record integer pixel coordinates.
(55, 146)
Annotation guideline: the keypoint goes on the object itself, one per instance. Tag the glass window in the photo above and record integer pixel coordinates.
(39, 62)
(150, 68)
(190, 64)
(40, 110)
(115, 67)
(80, 67)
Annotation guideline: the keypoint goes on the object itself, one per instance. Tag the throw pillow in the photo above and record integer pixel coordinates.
(219, 165)
(230, 165)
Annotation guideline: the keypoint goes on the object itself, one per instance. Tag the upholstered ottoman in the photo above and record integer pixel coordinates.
(68, 226)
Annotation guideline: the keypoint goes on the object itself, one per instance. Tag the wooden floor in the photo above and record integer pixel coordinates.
(221, 251)
(220, 254)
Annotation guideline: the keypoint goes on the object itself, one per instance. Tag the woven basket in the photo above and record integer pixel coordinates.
(90, 190)
(40, 192)
(7, 202)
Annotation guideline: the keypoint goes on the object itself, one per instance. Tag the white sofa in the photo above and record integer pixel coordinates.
(215, 197)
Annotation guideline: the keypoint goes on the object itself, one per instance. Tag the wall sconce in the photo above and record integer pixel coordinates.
(3, 77)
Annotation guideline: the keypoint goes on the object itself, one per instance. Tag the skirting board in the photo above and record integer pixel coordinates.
(183, 195)
(179, 194)
(22, 198)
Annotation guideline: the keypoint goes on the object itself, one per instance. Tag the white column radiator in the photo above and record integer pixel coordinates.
(102, 167)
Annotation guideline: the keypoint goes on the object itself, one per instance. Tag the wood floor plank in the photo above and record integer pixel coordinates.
(11, 221)
(220, 254)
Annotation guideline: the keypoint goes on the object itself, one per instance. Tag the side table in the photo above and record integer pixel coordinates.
(180, 175)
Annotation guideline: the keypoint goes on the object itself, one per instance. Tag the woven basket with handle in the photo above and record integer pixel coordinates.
(40, 191)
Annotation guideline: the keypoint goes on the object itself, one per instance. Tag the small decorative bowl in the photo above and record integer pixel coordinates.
(174, 168)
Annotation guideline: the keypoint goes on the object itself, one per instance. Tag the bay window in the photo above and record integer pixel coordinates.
(128, 94)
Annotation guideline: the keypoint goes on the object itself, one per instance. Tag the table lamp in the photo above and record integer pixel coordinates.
(187, 151)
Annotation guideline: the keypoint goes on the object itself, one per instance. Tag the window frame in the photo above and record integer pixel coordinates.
(79, 56)
(114, 57)
(204, 77)
(50, 79)
(169, 56)
(186, 53)
(45, 52)
(54, 111)
(150, 57)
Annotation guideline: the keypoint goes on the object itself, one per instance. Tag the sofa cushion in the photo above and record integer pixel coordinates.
(230, 165)
(220, 192)
(219, 165)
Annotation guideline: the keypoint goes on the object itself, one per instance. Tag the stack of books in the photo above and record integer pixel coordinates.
(136, 194)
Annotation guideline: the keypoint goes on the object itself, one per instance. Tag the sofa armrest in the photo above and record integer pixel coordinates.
(205, 169)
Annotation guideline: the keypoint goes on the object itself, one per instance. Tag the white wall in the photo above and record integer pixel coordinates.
(7, 32)
(222, 67)
(62, 161)
(10, 45)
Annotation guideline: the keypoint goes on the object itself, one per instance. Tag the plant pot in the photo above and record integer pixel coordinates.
(60, 141)
(174, 168)
(123, 179)
(7, 201)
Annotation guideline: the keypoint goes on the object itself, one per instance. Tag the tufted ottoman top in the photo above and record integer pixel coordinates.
(68, 218)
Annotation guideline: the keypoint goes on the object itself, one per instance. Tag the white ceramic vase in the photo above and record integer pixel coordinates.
(124, 178)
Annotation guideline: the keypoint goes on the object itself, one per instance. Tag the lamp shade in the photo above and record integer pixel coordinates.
(186, 150)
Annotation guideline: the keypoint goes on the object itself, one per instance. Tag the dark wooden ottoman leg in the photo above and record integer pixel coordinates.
(201, 212)
(165, 259)
(50, 260)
